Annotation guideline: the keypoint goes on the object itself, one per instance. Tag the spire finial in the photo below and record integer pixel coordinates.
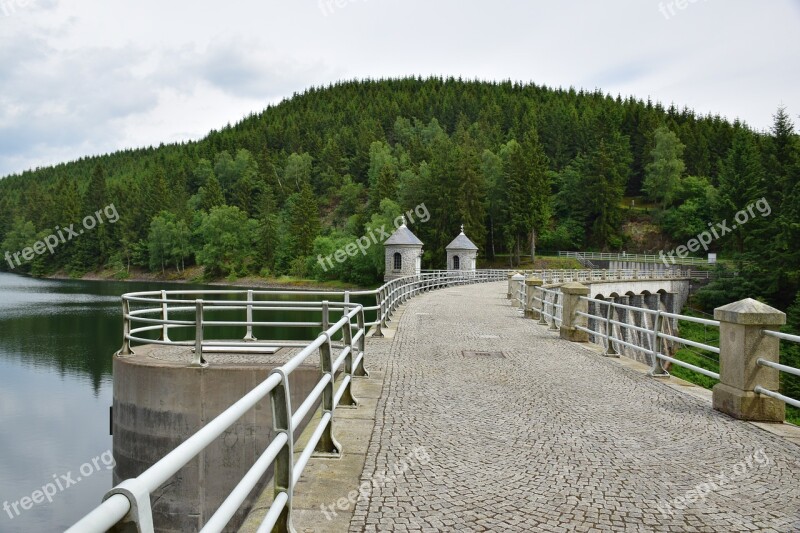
(462, 228)
(404, 220)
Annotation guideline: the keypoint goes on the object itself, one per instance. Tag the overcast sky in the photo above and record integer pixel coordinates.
(82, 77)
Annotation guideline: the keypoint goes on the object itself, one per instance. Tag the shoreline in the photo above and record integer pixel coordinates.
(248, 282)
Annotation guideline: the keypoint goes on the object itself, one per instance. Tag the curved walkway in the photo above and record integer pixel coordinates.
(552, 437)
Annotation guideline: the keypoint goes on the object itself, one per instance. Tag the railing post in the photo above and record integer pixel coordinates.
(198, 336)
(570, 318)
(657, 369)
(126, 328)
(380, 322)
(164, 317)
(742, 344)
(532, 285)
(541, 305)
(327, 445)
(346, 308)
(348, 400)
(554, 311)
(280, 399)
(326, 315)
(361, 346)
(249, 335)
(610, 351)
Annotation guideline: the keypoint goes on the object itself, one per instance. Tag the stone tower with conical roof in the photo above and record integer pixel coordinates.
(462, 254)
(403, 252)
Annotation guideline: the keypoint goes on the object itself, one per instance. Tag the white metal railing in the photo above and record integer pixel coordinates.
(637, 258)
(551, 307)
(130, 500)
(647, 332)
(163, 311)
(550, 277)
(780, 368)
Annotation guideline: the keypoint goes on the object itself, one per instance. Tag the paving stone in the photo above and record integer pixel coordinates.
(552, 437)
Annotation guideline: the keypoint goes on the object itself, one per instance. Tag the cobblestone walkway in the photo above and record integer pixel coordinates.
(552, 437)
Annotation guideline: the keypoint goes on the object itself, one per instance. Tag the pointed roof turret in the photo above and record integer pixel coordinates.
(462, 242)
(403, 236)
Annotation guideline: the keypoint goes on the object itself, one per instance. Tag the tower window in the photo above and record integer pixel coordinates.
(398, 261)
(456, 263)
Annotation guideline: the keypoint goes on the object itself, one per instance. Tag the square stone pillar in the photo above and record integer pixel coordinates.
(517, 284)
(532, 308)
(570, 318)
(742, 343)
(509, 294)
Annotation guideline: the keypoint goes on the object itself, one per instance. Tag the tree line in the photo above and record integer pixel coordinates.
(522, 166)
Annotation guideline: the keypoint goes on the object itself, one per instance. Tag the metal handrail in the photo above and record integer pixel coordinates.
(636, 258)
(654, 332)
(779, 367)
(131, 498)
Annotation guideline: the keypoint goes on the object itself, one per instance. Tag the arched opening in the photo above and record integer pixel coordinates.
(398, 261)
(456, 263)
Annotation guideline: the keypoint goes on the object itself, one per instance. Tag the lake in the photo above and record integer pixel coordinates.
(57, 339)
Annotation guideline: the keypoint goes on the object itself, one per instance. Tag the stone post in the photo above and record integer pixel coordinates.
(531, 309)
(509, 295)
(741, 346)
(517, 282)
(570, 318)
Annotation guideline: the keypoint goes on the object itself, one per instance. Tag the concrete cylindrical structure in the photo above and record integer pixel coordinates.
(160, 403)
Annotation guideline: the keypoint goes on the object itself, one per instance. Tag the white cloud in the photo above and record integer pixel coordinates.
(85, 77)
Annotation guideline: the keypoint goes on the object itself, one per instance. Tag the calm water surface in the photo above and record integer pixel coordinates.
(56, 343)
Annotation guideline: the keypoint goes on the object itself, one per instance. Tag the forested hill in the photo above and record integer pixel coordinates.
(511, 161)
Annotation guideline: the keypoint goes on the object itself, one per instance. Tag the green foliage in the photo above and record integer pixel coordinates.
(21, 235)
(519, 165)
(664, 172)
(741, 182)
(228, 238)
(168, 242)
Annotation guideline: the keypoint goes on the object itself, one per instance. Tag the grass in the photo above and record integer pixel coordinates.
(542, 262)
(640, 204)
(705, 359)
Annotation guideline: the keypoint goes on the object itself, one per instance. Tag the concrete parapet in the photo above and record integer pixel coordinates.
(532, 308)
(159, 403)
(570, 318)
(509, 294)
(742, 344)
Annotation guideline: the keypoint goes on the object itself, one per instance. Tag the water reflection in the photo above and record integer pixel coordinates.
(56, 343)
